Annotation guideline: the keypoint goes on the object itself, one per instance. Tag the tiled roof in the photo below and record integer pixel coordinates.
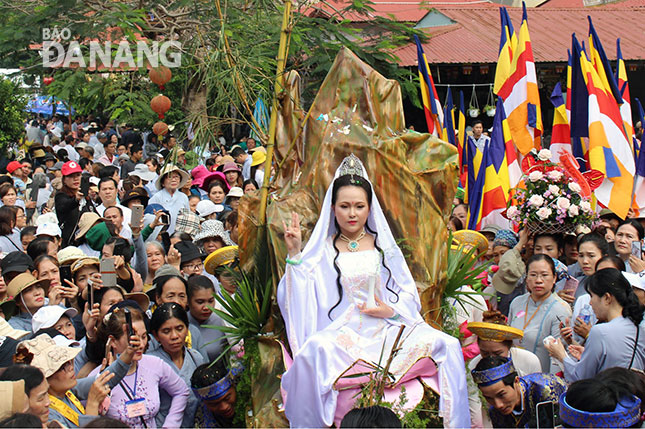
(475, 36)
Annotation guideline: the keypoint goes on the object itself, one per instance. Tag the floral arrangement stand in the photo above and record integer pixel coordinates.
(552, 198)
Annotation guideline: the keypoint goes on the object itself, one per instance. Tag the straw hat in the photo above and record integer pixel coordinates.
(86, 222)
(258, 158)
(84, 262)
(47, 355)
(494, 331)
(169, 168)
(68, 255)
(15, 288)
(469, 239)
(223, 256)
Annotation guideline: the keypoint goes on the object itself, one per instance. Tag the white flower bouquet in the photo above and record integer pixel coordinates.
(548, 199)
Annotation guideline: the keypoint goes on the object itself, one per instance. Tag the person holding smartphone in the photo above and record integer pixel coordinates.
(629, 231)
(513, 399)
(136, 399)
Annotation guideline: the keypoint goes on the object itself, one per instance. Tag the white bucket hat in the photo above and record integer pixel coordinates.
(211, 229)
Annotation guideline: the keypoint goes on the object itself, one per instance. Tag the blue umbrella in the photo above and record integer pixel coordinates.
(47, 105)
(261, 115)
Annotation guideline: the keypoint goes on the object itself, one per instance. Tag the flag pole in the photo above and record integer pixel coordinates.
(279, 86)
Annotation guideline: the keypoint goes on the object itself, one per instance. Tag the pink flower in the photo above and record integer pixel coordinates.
(575, 187)
(544, 213)
(536, 200)
(573, 210)
(511, 212)
(535, 176)
(554, 189)
(584, 205)
(554, 175)
(544, 155)
(563, 203)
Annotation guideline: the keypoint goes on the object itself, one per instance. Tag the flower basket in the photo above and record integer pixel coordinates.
(548, 200)
(550, 228)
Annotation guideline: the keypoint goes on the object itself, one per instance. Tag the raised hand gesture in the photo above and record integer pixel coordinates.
(293, 235)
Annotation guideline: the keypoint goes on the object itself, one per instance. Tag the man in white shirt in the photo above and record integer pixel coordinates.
(478, 138)
(243, 158)
(115, 215)
(107, 193)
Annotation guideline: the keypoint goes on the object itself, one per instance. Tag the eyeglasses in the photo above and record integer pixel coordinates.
(195, 267)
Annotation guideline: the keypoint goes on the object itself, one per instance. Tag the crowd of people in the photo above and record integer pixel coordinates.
(560, 323)
(113, 253)
(105, 286)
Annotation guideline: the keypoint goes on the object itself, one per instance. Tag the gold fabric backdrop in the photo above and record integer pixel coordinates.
(359, 111)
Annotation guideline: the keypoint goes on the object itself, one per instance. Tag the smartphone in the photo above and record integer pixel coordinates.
(165, 241)
(108, 348)
(164, 219)
(137, 214)
(108, 272)
(65, 274)
(90, 294)
(128, 323)
(570, 285)
(637, 249)
(545, 412)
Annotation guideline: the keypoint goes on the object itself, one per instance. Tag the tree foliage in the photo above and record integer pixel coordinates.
(229, 50)
(12, 106)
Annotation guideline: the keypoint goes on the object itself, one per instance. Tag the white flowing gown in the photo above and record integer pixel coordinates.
(324, 347)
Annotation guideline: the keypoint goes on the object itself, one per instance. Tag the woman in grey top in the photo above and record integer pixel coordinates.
(619, 342)
(538, 313)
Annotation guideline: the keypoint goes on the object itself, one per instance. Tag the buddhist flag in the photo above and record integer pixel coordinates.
(449, 120)
(623, 87)
(492, 186)
(431, 104)
(520, 94)
(507, 45)
(461, 140)
(638, 201)
(605, 125)
(473, 162)
(561, 133)
(600, 62)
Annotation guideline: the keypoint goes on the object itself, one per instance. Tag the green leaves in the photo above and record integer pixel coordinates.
(12, 115)
(247, 311)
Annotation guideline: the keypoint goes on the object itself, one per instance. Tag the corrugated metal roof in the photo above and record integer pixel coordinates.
(401, 11)
(475, 37)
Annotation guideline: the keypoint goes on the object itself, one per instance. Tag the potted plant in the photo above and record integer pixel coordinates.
(490, 110)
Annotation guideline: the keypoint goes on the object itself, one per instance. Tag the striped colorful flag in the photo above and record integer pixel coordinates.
(560, 132)
(605, 125)
(473, 162)
(491, 189)
(638, 196)
(461, 140)
(623, 87)
(521, 96)
(431, 104)
(507, 45)
(600, 62)
(449, 120)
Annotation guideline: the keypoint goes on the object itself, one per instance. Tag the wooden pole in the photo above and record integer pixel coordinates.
(279, 86)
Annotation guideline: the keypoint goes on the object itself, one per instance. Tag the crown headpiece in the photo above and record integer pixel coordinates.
(352, 166)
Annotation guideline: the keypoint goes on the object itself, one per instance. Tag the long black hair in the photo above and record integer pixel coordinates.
(611, 281)
(341, 182)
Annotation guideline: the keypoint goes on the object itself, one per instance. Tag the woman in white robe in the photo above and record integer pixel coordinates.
(332, 324)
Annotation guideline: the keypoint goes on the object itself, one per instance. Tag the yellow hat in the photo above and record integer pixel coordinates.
(468, 239)
(495, 332)
(258, 158)
(223, 256)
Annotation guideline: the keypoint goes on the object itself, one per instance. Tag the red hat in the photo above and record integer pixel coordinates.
(13, 166)
(70, 167)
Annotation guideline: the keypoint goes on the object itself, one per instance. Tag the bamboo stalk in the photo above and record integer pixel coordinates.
(279, 87)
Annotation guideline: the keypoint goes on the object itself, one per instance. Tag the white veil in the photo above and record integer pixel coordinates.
(325, 228)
